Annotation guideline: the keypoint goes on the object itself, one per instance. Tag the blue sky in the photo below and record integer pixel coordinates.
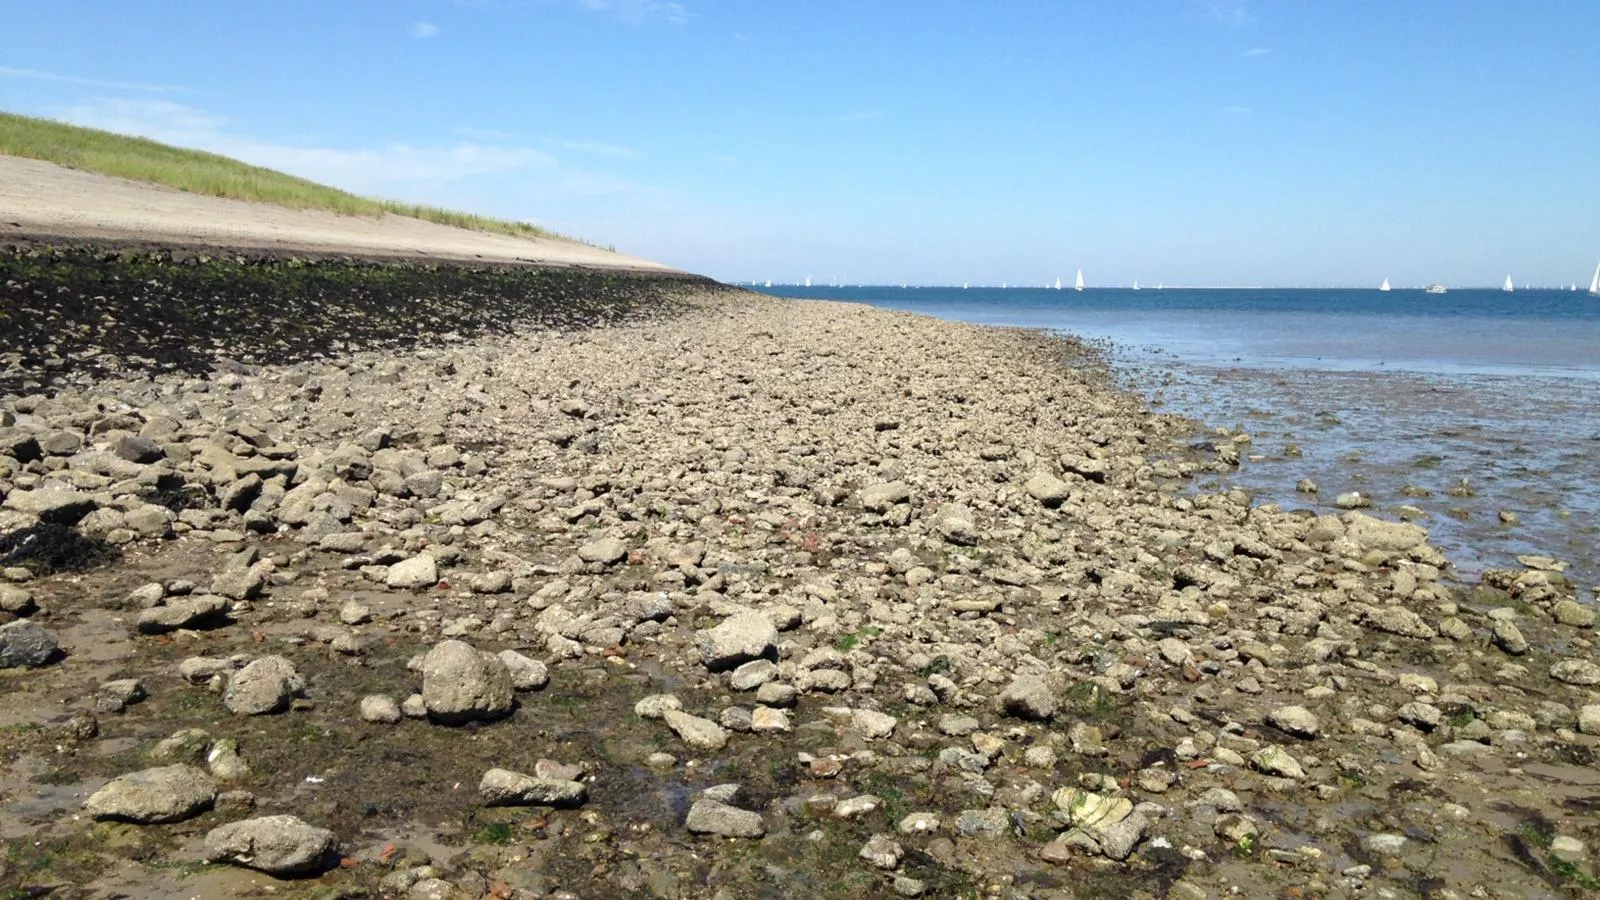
(1184, 141)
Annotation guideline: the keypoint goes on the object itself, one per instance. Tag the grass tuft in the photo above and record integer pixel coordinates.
(199, 172)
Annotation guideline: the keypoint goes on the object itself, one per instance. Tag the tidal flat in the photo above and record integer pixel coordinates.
(707, 594)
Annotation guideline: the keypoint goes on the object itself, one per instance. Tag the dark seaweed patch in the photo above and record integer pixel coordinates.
(80, 310)
(46, 548)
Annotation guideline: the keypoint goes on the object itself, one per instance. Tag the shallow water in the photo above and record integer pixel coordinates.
(1461, 406)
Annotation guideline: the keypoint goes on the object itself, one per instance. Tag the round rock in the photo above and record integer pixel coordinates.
(461, 683)
(277, 845)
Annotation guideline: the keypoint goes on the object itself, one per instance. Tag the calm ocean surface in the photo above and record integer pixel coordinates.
(1460, 406)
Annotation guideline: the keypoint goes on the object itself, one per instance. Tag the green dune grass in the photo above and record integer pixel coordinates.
(141, 159)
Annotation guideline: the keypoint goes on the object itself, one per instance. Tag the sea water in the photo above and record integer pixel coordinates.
(1460, 406)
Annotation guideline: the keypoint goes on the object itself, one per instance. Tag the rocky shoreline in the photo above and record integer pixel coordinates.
(703, 594)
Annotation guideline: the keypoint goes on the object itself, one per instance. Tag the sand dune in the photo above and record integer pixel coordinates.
(47, 200)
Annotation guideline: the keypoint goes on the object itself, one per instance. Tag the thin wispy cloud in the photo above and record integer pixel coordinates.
(1254, 52)
(362, 169)
(638, 12)
(423, 30)
(1227, 12)
(594, 148)
(8, 72)
(863, 116)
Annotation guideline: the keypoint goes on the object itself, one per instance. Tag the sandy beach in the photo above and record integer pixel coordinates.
(705, 594)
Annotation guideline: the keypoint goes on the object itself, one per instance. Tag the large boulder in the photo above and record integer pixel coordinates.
(461, 683)
(25, 644)
(738, 639)
(57, 506)
(162, 794)
(277, 845)
(265, 685)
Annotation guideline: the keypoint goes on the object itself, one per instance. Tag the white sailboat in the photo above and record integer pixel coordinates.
(1384, 286)
(1508, 287)
(1058, 284)
(769, 282)
(1594, 283)
(963, 285)
(1136, 284)
(808, 281)
(1079, 285)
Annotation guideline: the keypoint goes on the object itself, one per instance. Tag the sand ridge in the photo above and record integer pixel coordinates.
(42, 199)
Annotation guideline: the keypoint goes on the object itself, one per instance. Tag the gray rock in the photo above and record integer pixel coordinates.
(502, 787)
(1508, 637)
(265, 685)
(26, 644)
(277, 845)
(56, 506)
(1398, 620)
(699, 733)
(882, 851)
(419, 571)
(605, 551)
(380, 709)
(879, 498)
(203, 611)
(656, 706)
(526, 674)
(1274, 760)
(955, 523)
(990, 823)
(1576, 671)
(1049, 490)
(1029, 697)
(240, 584)
(139, 450)
(738, 639)
(1376, 534)
(461, 683)
(709, 816)
(1117, 840)
(1296, 720)
(752, 675)
(162, 794)
(225, 762)
(16, 601)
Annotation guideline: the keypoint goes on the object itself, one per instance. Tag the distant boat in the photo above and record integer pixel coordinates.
(1434, 289)
(1079, 285)
(1594, 283)
(769, 282)
(1384, 286)
(1508, 287)
(963, 285)
(1136, 284)
(1058, 284)
(808, 281)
